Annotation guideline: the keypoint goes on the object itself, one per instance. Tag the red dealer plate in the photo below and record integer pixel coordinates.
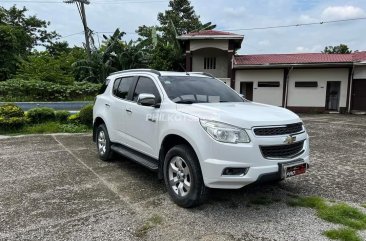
(294, 170)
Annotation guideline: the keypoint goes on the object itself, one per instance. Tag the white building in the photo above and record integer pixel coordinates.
(310, 82)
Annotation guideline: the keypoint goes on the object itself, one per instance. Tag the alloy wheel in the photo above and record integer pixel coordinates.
(102, 142)
(179, 176)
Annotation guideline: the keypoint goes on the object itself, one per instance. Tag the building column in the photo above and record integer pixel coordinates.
(188, 61)
(230, 71)
(349, 90)
(284, 90)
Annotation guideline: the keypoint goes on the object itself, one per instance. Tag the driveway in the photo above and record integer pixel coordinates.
(54, 187)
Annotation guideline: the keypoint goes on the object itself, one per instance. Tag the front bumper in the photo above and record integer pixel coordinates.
(221, 156)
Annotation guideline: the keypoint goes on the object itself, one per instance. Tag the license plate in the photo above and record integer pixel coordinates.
(291, 170)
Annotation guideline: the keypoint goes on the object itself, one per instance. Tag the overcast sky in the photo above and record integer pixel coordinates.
(227, 14)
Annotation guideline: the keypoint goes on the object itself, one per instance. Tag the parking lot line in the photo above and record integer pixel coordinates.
(107, 184)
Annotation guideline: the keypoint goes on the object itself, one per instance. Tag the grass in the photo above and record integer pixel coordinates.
(263, 200)
(152, 222)
(308, 202)
(364, 205)
(344, 234)
(48, 127)
(339, 213)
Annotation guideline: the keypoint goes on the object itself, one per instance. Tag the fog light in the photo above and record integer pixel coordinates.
(235, 171)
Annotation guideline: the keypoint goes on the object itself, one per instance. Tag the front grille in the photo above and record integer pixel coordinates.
(276, 131)
(282, 151)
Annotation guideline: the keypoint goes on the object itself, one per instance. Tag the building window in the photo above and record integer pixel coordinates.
(269, 84)
(209, 63)
(306, 84)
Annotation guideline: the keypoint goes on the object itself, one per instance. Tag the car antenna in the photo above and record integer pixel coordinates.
(184, 69)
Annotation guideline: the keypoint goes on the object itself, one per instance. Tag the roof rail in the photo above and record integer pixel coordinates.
(203, 73)
(137, 70)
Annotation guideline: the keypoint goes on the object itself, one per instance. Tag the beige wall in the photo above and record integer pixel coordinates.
(315, 96)
(221, 62)
(359, 72)
(266, 95)
(201, 43)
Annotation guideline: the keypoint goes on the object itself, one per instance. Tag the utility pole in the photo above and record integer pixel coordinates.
(81, 9)
(86, 29)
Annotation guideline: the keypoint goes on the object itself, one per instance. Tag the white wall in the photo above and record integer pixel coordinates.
(359, 72)
(201, 43)
(221, 62)
(315, 96)
(267, 95)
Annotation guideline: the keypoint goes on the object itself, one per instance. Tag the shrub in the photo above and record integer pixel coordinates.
(74, 118)
(40, 115)
(86, 115)
(12, 123)
(61, 116)
(11, 117)
(11, 110)
(35, 90)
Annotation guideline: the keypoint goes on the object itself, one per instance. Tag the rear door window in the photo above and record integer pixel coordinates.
(124, 87)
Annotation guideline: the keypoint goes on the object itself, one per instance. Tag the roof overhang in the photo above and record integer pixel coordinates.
(299, 65)
(226, 37)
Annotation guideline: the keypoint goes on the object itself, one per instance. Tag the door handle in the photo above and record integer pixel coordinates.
(128, 110)
(151, 119)
(108, 105)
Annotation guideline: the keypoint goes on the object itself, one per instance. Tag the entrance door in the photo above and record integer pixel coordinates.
(359, 94)
(333, 95)
(142, 122)
(246, 89)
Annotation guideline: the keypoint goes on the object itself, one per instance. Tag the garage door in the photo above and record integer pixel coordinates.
(359, 94)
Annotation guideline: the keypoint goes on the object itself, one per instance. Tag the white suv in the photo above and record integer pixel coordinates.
(196, 132)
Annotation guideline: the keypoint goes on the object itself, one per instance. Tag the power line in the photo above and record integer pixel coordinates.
(96, 2)
(260, 28)
(66, 36)
(294, 25)
(82, 32)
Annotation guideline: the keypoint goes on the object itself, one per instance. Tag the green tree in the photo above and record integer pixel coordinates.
(18, 35)
(34, 31)
(58, 48)
(101, 62)
(9, 51)
(131, 57)
(44, 67)
(160, 43)
(340, 49)
(183, 18)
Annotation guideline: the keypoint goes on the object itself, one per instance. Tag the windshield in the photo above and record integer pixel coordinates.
(191, 89)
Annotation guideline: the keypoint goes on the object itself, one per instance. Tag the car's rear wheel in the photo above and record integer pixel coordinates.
(183, 177)
(103, 143)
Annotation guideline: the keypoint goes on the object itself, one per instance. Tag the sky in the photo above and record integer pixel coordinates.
(107, 15)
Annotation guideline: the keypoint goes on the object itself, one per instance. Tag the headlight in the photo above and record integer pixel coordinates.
(224, 132)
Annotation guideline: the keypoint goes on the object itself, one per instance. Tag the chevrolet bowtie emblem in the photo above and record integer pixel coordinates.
(290, 139)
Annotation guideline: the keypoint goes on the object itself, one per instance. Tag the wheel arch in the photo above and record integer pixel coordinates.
(97, 122)
(168, 142)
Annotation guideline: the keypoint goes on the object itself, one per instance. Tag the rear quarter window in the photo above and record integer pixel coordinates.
(104, 87)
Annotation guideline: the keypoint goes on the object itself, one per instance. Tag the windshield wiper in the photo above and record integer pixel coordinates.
(188, 102)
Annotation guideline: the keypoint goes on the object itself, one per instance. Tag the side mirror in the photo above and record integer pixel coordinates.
(146, 99)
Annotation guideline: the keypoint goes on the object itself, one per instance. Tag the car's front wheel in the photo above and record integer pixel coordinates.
(183, 177)
(103, 143)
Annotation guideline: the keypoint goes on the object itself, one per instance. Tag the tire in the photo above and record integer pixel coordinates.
(103, 143)
(181, 167)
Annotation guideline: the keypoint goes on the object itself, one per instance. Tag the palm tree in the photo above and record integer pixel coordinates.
(132, 56)
(101, 62)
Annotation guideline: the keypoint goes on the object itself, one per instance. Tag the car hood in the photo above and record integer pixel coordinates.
(241, 114)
